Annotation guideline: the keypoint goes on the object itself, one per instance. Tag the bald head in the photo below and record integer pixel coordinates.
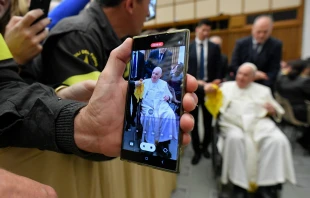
(262, 28)
(245, 75)
(217, 40)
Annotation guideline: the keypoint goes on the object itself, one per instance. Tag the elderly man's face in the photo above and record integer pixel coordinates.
(261, 30)
(156, 74)
(244, 77)
(4, 5)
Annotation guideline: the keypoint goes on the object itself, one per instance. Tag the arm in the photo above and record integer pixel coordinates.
(274, 67)
(65, 9)
(32, 116)
(12, 185)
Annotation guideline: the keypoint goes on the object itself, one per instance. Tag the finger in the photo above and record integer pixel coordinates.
(186, 139)
(40, 37)
(30, 17)
(187, 122)
(118, 59)
(191, 83)
(190, 101)
(13, 21)
(40, 25)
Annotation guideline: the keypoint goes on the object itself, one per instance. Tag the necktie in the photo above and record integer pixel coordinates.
(134, 66)
(256, 51)
(161, 57)
(201, 65)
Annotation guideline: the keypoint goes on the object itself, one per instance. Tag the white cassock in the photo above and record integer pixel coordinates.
(254, 149)
(157, 118)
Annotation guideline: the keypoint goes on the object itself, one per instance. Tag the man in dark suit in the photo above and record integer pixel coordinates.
(224, 59)
(159, 58)
(136, 74)
(205, 65)
(262, 50)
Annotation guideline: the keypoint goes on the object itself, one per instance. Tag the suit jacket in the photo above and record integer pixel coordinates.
(154, 61)
(140, 69)
(214, 63)
(296, 92)
(268, 59)
(224, 64)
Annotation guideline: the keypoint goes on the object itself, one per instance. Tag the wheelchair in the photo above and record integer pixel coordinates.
(224, 191)
(140, 135)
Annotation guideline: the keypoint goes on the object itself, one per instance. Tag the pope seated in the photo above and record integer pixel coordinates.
(157, 118)
(255, 151)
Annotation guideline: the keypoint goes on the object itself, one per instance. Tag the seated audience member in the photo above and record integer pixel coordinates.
(285, 68)
(159, 58)
(40, 119)
(157, 117)
(295, 86)
(175, 80)
(260, 49)
(254, 149)
(224, 60)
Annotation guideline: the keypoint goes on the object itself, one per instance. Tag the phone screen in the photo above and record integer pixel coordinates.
(152, 10)
(157, 77)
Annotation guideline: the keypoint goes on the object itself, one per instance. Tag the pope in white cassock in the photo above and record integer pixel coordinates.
(254, 149)
(157, 118)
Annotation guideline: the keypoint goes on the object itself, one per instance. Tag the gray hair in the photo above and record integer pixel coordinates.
(159, 69)
(263, 16)
(250, 65)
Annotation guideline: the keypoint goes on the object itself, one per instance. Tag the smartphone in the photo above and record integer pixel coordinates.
(158, 67)
(40, 4)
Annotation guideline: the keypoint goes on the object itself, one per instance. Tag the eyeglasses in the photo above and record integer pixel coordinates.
(152, 10)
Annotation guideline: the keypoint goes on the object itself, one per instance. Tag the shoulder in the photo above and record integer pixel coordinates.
(244, 40)
(162, 82)
(260, 88)
(228, 84)
(275, 41)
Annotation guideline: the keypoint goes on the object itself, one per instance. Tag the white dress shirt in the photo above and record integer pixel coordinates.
(205, 50)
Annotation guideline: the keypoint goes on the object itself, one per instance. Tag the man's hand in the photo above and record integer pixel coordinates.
(23, 38)
(208, 88)
(166, 98)
(98, 126)
(259, 75)
(81, 91)
(12, 185)
(270, 109)
(201, 82)
(138, 83)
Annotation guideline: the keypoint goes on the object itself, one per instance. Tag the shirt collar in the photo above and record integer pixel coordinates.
(204, 42)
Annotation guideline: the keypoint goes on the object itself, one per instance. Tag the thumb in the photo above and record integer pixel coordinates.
(118, 59)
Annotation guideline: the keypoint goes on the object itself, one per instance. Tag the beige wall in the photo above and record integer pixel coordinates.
(179, 10)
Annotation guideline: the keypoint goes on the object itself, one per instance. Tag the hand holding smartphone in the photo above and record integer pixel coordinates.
(152, 135)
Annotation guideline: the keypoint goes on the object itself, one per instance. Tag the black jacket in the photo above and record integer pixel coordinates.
(76, 46)
(32, 116)
(268, 59)
(214, 62)
(296, 92)
(164, 64)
